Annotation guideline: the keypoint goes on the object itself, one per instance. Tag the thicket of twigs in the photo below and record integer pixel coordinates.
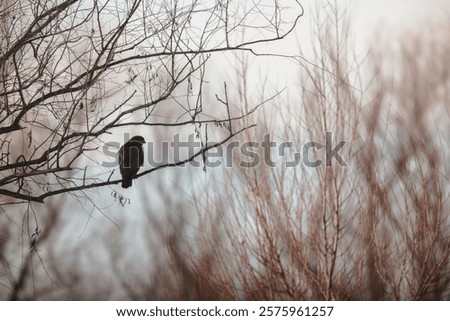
(376, 229)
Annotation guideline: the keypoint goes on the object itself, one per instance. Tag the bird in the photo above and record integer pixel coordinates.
(131, 157)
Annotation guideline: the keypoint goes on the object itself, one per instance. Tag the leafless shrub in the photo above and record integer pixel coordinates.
(376, 229)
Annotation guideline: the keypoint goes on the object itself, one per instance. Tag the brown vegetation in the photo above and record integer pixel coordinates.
(376, 229)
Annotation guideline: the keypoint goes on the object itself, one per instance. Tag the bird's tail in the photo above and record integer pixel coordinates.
(127, 182)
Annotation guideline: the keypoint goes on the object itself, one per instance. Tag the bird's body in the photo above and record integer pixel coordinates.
(131, 157)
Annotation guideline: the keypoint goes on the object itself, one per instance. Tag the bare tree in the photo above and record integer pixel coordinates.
(377, 229)
(73, 72)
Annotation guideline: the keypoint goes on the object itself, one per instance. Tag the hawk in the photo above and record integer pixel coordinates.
(131, 157)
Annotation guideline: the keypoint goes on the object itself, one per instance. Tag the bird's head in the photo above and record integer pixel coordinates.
(137, 139)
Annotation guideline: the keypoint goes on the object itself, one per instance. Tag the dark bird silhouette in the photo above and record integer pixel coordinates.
(131, 157)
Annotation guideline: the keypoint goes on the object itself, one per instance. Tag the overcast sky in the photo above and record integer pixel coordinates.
(369, 16)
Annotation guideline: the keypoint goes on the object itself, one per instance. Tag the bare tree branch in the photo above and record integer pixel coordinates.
(73, 72)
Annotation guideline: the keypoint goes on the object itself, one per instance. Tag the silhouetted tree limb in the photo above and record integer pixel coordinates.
(73, 72)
